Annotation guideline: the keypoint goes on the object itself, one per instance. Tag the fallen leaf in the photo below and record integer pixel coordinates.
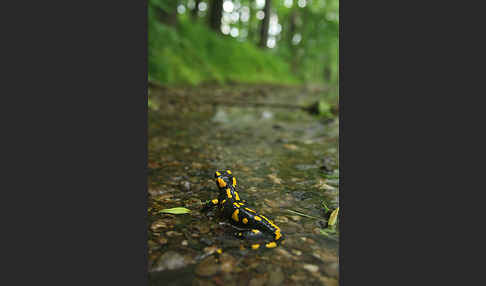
(178, 210)
(333, 217)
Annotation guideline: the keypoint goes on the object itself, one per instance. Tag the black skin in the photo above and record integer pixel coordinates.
(236, 211)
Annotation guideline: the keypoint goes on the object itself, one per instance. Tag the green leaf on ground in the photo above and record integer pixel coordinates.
(301, 214)
(333, 217)
(178, 210)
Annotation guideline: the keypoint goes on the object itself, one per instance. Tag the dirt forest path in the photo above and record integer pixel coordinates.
(286, 164)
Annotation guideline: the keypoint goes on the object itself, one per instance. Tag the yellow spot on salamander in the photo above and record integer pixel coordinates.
(278, 235)
(271, 244)
(255, 246)
(234, 216)
(255, 231)
(245, 220)
(228, 171)
(219, 250)
(240, 234)
(257, 218)
(224, 201)
(228, 192)
(250, 210)
(218, 173)
(237, 196)
(234, 182)
(221, 183)
(215, 201)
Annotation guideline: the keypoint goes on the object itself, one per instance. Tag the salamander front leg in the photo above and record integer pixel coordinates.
(212, 203)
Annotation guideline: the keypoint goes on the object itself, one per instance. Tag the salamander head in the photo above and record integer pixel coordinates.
(224, 179)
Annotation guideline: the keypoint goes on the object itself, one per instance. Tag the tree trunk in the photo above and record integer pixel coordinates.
(195, 10)
(291, 33)
(215, 14)
(264, 25)
(165, 17)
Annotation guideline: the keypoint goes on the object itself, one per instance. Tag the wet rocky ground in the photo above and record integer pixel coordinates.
(286, 164)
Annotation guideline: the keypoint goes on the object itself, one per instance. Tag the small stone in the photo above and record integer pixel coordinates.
(296, 252)
(186, 185)
(162, 240)
(203, 228)
(172, 233)
(311, 267)
(210, 249)
(328, 281)
(206, 240)
(291, 147)
(276, 277)
(325, 257)
(258, 280)
(295, 217)
(228, 262)
(197, 165)
(270, 203)
(275, 179)
(332, 269)
(299, 276)
(169, 261)
(184, 243)
(208, 267)
(281, 219)
(321, 185)
(283, 252)
(158, 224)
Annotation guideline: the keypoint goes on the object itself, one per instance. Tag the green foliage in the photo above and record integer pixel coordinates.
(192, 54)
(188, 52)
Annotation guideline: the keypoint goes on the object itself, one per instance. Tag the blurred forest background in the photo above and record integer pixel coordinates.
(243, 41)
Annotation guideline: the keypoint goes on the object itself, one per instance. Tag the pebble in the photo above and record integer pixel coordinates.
(169, 261)
(200, 282)
(258, 280)
(295, 217)
(197, 165)
(208, 267)
(162, 240)
(228, 262)
(272, 204)
(186, 185)
(276, 277)
(332, 269)
(328, 281)
(206, 240)
(275, 179)
(281, 219)
(203, 228)
(311, 267)
(325, 256)
(158, 224)
(296, 252)
(172, 233)
(184, 243)
(291, 146)
(283, 252)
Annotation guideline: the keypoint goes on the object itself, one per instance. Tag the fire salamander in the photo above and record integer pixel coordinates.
(233, 208)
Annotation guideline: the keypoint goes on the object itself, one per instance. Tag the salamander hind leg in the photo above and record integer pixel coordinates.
(249, 234)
